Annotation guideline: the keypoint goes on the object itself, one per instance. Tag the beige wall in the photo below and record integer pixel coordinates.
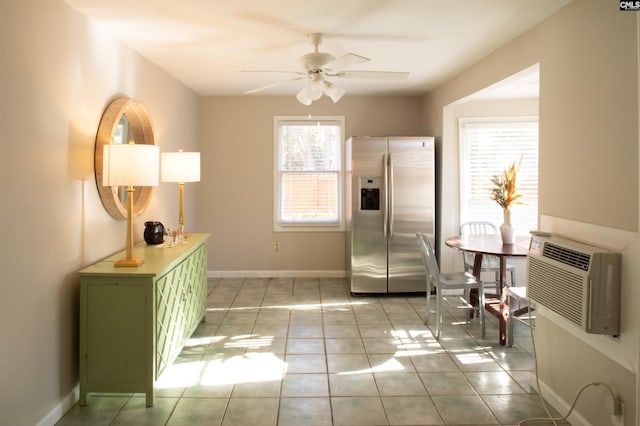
(58, 74)
(236, 192)
(588, 109)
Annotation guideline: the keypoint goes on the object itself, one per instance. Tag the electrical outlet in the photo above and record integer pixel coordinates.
(617, 418)
(276, 246)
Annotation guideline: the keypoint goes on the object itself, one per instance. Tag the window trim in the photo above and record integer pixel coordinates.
(279, 226)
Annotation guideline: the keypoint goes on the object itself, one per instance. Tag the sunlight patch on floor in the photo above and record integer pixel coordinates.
(249, 341)
(391, 364)
(474, 358)
(414, 340)
(199, 341)
(315, 306)
(419, 352)
(180, 375)
(298, 307)
(247, 368)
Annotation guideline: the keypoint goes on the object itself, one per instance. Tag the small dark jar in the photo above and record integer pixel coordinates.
(153, 232)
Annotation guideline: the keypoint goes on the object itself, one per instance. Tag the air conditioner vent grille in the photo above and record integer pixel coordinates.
(567, 256)
(579, 282)
(557, 289)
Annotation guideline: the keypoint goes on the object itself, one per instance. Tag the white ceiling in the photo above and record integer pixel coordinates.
(206, 43)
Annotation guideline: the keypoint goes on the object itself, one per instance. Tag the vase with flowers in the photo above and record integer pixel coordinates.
(506, 194)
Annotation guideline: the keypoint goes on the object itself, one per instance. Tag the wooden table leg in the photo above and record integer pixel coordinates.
(473, 294)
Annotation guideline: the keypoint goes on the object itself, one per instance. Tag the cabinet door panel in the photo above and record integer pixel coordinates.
(120, 332)
(196, 290)
(170, 321)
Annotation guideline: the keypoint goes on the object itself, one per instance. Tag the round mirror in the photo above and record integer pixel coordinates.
(125, 120)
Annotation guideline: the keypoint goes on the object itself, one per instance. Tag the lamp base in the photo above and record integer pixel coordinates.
(129, 263)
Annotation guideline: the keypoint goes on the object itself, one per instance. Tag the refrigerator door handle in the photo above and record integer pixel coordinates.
(390, 192)
(385, 219)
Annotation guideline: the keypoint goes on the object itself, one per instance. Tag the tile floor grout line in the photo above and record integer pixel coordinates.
(284, 357)
(326, 358)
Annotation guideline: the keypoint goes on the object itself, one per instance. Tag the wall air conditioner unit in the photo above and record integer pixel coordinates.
(576, 281)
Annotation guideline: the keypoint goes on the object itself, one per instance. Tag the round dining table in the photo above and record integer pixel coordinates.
(481, 245)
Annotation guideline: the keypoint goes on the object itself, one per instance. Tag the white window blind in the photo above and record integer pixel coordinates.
(487, 148)
(308, 173)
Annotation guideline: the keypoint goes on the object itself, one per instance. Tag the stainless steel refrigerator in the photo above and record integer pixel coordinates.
(390, 191)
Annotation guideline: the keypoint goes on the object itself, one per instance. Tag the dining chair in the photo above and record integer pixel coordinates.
(446, 281)
(522, 313)
(490, 264)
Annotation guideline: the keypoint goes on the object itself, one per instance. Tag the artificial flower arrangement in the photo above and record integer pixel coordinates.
(505, 192)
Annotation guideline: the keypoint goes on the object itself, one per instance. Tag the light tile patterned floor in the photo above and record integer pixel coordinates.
(305, 352)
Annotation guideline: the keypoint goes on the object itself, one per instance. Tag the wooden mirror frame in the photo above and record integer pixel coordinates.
(141, 131)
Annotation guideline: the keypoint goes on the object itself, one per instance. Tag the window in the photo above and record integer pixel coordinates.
(487, 147)
(308, 173)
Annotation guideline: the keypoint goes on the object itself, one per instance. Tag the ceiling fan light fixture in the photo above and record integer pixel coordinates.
(309, 93)
(332, 91)
(314, 89)
(302, 97)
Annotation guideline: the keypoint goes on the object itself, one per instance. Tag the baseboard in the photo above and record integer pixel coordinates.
(560, 405)
(276, 274)
(61, 408)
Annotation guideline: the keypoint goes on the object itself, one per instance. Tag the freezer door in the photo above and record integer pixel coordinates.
(412, 209)
(368, 214)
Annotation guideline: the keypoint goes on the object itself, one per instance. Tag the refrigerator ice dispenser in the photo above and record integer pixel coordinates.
(369, 193)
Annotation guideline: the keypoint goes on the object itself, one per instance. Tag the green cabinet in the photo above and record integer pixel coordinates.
(135, 321)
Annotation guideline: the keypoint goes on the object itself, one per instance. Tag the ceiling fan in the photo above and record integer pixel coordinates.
(319, 66)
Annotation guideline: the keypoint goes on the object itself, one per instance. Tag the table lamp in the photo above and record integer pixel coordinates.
(180, 167)
(130, 165)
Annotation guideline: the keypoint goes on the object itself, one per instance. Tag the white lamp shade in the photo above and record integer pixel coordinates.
(180, 167)
(130, 164)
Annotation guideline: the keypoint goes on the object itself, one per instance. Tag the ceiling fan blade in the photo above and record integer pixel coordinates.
(378, 75)
(275, 71)
(345, 61)
(260, 89)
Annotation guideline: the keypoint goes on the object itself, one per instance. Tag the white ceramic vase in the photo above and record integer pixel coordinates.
(506, 230)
